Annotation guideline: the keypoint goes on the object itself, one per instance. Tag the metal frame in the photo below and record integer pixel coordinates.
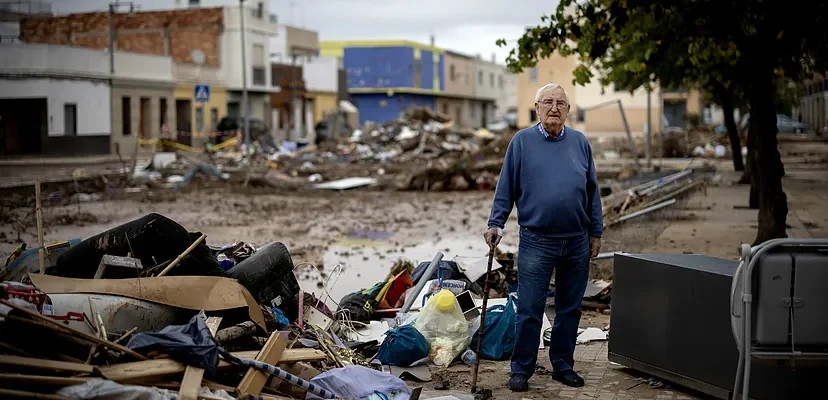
(749, 257)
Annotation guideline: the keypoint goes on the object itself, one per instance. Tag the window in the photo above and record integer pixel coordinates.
(533, 117)
(452, 73)
(126, 116)
(213, 119)
(259, 64)
(533, 74)
(162, 114)
(491, 80)
(500, 81)
(445, 109)
(200, 119)
(473, 111)
(70, 119)
(195, 3)
(259, 13)
(480, 78)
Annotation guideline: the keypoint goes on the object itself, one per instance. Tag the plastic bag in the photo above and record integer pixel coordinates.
(402, 347)
(356, 382)
(445, 328)
(498, 334)
(190, 344)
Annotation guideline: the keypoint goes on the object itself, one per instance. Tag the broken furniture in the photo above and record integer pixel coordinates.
(778, 302)
(679, 305)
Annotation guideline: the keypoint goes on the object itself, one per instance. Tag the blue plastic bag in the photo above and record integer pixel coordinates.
(402, 347)
(498, 334)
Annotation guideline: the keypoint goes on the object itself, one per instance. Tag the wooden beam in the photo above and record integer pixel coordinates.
(19, 394)
(37, 380)
(254, 380)
(139, 370)
(50, 365)
(191, 384)
(56, 326)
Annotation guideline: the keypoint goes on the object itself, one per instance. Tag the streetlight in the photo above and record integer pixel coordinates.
(113, 8)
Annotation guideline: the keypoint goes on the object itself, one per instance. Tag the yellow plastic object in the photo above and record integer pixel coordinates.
(445, 300)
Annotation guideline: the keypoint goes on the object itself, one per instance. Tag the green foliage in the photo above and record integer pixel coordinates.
(708, 43)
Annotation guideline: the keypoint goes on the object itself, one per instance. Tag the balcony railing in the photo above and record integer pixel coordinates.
(259, 76)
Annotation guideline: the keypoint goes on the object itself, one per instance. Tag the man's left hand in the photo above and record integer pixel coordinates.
(594, 246)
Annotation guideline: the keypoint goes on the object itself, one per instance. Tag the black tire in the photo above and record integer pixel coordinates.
(268, 276)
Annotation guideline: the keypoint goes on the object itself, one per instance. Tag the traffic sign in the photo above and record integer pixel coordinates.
(202, 93)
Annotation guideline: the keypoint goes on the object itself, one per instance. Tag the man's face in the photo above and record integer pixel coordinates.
(552, 109)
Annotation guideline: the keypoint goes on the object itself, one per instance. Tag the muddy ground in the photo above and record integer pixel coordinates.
(365, 231)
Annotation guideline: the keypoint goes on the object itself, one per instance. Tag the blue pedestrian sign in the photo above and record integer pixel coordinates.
(202, 93)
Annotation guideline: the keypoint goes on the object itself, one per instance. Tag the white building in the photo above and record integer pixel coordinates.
(54, 100)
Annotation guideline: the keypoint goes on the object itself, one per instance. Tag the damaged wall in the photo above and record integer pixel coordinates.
(175, 33)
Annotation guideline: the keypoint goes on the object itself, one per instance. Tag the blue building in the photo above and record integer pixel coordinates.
(385, 77)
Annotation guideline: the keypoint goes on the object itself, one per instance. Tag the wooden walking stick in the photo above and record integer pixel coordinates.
(481, 330)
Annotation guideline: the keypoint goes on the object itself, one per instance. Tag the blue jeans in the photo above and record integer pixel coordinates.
(538, 257)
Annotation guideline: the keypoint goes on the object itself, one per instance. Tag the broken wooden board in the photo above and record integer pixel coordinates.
(7, 380)
(191, 383)
(49, 365)
(56, 326)
(254, 380)
(136, 371)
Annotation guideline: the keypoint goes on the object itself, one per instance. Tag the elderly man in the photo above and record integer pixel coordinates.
(549, 173)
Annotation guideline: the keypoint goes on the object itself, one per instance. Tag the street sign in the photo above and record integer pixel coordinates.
(202, 93)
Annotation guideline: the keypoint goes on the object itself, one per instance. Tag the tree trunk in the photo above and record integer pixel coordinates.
(732, 130)
(766, 164)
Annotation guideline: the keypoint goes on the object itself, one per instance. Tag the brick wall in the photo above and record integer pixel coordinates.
(175, 33)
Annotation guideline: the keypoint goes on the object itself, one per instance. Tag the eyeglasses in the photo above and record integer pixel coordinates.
(560, 104)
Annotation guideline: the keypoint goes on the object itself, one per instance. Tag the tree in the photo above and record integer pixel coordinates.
(744, 45)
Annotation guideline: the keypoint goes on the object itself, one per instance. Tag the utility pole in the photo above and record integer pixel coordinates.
(296, 116)
(649, 128)
(113, 8)
(245, 122)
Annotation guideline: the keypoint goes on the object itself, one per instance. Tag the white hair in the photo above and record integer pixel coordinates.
(550, 87)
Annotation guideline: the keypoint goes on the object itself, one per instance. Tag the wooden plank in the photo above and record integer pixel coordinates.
(19, 394)
(56, 326)
(254, 380)
(136, 371)
(50, 365)
(22, 380)
(191, 384)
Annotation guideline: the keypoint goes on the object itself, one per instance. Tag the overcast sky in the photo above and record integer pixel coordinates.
(465, 26)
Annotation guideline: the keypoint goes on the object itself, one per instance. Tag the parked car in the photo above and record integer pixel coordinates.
(786, 124)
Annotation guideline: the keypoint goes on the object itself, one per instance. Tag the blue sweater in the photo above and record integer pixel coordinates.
(553, 182)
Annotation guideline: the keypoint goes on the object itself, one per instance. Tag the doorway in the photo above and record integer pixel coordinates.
(145, 119)
(675, 111)
(184, 121)
(22, 126)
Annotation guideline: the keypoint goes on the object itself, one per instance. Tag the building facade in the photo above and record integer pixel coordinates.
(54, 100)
(385, 78)
(259, 29)
(813, 104)
(602, 121)
(309, 80)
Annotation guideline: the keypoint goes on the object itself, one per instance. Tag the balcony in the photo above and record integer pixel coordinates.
(191, 73)
(259, 78)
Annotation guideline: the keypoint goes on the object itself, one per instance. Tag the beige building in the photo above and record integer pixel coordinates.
(603, 121)
(458, 99)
